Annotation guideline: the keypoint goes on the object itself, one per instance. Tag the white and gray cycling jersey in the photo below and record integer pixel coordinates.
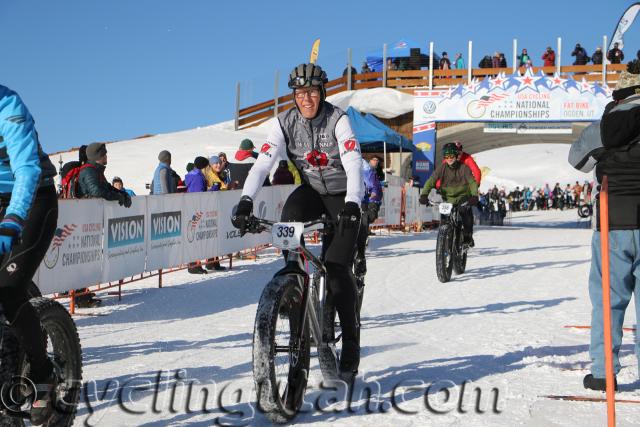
(324, 149)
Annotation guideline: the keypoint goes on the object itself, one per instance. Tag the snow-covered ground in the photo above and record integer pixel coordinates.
(500, 325)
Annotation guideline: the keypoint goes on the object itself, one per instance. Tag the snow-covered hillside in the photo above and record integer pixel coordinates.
(501, 324)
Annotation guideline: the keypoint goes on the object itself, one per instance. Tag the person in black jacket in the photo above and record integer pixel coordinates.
(615, 55)
(581, 55)
(613, 146)
(92, 181)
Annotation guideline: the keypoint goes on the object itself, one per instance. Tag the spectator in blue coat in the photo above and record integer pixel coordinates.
(164, 178)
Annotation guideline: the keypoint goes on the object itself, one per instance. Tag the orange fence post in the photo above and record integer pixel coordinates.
(606, 302)
(160, 278)
(72, 301)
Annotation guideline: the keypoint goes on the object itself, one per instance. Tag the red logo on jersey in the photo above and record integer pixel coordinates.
(350, 145)
(317, 158)
(265, 147)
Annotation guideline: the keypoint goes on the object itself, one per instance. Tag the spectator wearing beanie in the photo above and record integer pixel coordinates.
(242, 162)
(246, 150)
(282, 175)
(195, 180)
(164, 178)
(212, 174)
(91, 180)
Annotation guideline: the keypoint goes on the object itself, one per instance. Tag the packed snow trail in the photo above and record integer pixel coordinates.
(500, 325)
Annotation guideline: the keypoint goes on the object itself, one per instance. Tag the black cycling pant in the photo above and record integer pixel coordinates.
(16, 273)
(306, 204)
(466, 213)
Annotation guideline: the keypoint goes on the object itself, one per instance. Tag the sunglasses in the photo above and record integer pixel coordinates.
(450, 156)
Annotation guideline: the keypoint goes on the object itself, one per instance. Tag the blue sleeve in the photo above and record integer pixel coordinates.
(18, 130)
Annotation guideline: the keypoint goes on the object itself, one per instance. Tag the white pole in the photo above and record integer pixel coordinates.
(275, 95)
(515, 55)
(430, 65)
(349, 69)
(384, 161)
(384, 65)
(604, 60)
(469, 66)
(237, 119)
(558, 55)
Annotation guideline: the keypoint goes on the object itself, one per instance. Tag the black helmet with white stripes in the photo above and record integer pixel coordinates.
(308, 75)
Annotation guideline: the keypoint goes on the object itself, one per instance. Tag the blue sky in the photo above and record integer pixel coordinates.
(104, 70)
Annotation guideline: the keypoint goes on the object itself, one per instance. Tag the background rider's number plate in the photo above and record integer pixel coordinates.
(287, 235)
(445, 208)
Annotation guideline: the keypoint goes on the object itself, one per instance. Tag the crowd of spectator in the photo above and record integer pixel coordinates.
(495, 203)
(498, 60)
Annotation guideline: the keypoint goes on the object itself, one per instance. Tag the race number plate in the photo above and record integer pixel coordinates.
(287, 235)
(445, 208)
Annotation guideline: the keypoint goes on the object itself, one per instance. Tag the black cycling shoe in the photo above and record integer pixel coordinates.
(598, 384)
(468, 241)
(43, 406)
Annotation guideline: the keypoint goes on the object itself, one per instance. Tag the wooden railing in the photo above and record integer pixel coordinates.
(408, 80)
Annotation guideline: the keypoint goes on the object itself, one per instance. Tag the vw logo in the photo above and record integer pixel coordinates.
(429, 107)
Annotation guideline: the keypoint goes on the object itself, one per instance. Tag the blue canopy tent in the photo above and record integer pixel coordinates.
(374, 136)
(400, 49)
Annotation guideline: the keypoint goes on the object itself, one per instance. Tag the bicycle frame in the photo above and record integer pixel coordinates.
(314, 296)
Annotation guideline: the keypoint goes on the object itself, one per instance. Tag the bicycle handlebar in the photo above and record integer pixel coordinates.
(258, 225)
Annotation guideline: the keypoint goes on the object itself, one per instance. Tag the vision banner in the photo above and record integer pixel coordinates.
(164, 231)
(125, 248)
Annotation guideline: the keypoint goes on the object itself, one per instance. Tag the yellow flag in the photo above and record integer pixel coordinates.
(314, 51)
(485, 171)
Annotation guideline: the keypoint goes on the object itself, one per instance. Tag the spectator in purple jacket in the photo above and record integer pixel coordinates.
(370, 206)
(195, 179)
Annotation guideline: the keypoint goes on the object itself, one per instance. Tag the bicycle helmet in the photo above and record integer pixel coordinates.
(450, 149)
(308, 75)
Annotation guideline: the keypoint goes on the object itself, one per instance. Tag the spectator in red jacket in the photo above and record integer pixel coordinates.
(549, 57)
